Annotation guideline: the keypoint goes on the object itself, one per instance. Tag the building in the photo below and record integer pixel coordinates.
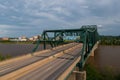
(4, 39)
(34, 38)
(31, 39)
(14, 39)
(22, 38)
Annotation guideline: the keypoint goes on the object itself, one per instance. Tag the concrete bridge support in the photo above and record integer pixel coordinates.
(94, 48)
(77, 75)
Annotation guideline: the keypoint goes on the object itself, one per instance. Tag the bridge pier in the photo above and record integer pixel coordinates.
(94, 48)
(77, 75)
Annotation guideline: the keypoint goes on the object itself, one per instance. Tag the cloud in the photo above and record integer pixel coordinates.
(16, 31)
(99, 26)
(2, 6)
(55, 14)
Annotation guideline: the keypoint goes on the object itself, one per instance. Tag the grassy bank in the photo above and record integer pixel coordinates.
(4, 57)
(17, 42)
(94, 74)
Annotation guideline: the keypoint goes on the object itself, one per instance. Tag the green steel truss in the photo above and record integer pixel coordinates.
(88, 36)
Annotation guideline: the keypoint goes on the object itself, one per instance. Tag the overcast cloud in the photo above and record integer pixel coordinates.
(31, 17)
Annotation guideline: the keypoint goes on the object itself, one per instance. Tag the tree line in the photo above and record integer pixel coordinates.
(110, 40)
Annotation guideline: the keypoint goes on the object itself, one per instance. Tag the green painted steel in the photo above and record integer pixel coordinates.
(88, 36)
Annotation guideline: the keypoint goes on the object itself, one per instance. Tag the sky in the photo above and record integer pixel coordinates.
(31, 17)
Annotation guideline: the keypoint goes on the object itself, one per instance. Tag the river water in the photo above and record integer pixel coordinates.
(14, 50)
(107, 58)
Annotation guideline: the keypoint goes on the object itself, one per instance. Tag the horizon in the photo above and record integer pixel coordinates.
(9, 36)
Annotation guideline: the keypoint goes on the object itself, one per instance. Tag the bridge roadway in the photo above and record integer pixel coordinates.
(53, 63)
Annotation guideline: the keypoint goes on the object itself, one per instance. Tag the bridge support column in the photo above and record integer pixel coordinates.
(77, 75)
(80, 75)
(94, 48)
(92, 54)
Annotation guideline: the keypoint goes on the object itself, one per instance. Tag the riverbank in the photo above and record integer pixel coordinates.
(105, 64)
(93, 73)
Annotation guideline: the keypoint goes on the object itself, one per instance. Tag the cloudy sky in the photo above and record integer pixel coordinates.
(31, 17)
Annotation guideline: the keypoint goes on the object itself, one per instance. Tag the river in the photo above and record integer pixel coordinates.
(14, 50)
(107, 58)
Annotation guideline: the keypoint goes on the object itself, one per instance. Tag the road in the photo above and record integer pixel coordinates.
(50, 70)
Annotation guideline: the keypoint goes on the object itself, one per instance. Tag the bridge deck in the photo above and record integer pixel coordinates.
(56, 61)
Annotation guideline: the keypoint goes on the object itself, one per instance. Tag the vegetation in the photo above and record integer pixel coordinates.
(110, 40)
(4, 57)
(17, 42)
(94, 74)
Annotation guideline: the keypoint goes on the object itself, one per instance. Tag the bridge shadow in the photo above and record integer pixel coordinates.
(65, 58)
(40, 56)
(54, 57)
(73, 56)
(69, 54)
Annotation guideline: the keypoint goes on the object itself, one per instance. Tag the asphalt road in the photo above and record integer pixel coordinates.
(7, 68)
(53, 69)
